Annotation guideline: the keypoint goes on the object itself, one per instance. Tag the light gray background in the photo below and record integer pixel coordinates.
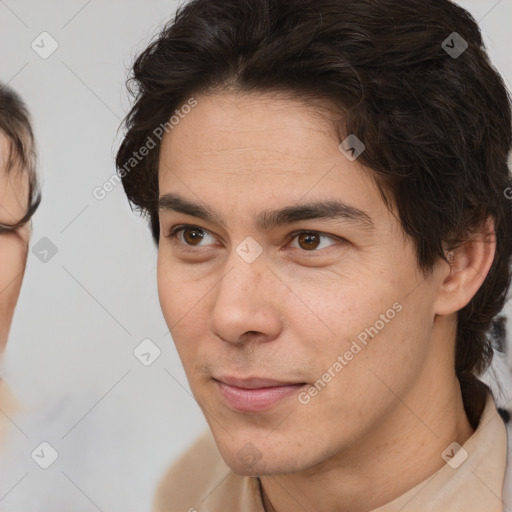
(115, 423)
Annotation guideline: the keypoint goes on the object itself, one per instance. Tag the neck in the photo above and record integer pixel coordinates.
(402, 451)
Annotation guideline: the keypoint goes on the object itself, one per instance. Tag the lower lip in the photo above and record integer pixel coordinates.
(254, 400)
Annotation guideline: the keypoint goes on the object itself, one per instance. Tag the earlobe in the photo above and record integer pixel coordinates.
(466, 270)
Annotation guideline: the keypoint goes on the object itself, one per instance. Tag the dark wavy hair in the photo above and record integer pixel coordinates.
(15, 125)
(436, 126)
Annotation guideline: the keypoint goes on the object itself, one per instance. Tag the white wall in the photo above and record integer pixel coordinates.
(82, 313)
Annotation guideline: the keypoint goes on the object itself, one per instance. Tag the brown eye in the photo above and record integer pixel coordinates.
(192, 235)
(314, 241)
(308, 241)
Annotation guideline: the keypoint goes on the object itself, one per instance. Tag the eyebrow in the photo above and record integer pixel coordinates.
(269, 219)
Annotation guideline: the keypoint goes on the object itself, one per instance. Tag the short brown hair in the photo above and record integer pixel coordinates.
(15, 125)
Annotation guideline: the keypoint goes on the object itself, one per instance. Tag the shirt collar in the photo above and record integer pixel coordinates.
(471, 480)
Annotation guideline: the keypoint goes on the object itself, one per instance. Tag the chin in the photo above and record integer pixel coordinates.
(261, 467)
(250, 460)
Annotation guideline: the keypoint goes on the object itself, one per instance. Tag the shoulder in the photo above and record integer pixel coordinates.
(201, 480)
(195, 473)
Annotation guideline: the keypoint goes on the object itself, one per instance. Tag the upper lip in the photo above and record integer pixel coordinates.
(254, 382)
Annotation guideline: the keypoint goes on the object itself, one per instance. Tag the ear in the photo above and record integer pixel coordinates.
(467, 269)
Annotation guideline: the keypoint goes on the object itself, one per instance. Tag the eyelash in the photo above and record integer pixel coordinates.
(173, 235)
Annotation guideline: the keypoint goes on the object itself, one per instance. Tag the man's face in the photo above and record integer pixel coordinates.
(284, 317)
(13, 246)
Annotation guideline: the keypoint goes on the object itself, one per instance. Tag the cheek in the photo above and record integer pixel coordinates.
(371, 323)
(179, 297)
(12, 265)
(172, 290)
(13, 255)
(338, 309)
(182, 302)
(383, 348)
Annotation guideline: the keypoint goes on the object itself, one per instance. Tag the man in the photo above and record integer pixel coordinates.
(325, 182)
(19, 199)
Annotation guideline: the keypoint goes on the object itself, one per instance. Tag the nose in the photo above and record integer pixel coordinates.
(246, 303)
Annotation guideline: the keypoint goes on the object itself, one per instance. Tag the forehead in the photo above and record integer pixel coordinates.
(246, 149)
(268, 124)
(239, 140)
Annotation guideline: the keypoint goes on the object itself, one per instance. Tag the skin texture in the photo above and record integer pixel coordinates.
(381, 423)
(13, 246)
(13, 257)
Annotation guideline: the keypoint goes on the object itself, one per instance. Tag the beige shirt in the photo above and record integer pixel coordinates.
(201, 481)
